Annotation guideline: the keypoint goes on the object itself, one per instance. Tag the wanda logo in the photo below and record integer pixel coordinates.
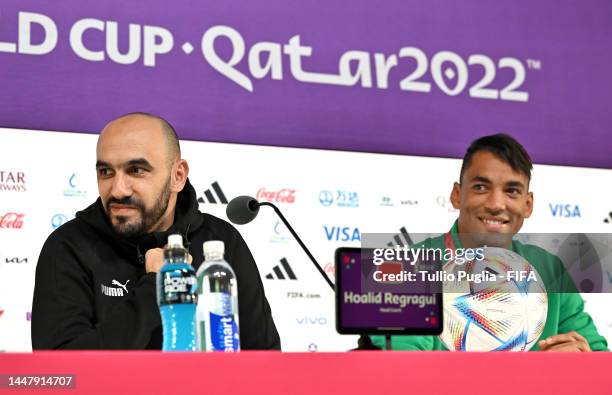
(284, 195)
(11, 221)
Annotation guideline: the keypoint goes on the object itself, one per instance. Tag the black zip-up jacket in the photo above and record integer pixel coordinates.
(92, 290)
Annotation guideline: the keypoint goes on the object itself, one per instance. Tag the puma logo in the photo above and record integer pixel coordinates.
(110, 291)
(117, 283)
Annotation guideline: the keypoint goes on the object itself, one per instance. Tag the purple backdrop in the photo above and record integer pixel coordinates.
(564, 47)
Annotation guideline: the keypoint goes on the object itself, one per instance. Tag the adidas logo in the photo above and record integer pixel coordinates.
(210, 198)
(277, 273)
(398, 239)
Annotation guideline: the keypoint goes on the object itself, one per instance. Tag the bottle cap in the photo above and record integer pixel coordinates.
(175, 241)
(214, 247)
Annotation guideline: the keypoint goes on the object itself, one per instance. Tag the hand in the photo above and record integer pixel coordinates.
(154, 260)
(566, 342)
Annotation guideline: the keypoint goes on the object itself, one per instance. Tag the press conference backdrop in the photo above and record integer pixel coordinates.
(406, 77)
(331, 197)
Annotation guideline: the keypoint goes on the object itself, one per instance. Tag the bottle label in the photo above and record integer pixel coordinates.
(177, 286)
(217, 316)
(224, 333)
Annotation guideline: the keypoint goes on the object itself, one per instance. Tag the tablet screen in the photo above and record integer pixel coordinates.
(373, 299)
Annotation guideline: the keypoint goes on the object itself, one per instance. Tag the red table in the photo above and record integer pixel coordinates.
(365, 372)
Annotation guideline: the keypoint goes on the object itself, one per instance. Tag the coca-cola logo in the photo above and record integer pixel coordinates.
(11, 221)
(284, 195)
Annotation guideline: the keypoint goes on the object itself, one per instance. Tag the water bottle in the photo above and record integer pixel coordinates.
(217, 311)
(177, 297)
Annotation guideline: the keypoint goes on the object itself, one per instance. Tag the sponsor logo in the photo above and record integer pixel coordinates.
(564, 210)
(446, 204)
(284, 195)
(279, 235)
(58, 220)
(278, 274)
(339, 198)
(397, 239)
(11, 220)
(339, 233)
(209, 196)
(73, 189)
(311, 320)
(386, 201)
(608, 219)
(15, 259)
(117, 290)
(301, 295)
(12, 181)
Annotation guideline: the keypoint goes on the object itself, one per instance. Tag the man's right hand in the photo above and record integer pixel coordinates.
(154, 260)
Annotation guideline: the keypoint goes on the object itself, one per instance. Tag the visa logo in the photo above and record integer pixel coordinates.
(337, 233)
(564, 210)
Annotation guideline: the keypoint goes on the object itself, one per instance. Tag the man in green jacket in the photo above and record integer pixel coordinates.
(493, 198)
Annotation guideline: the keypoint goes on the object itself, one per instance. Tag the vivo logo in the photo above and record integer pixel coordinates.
(564, 210)
(337, 233)
(312, 321)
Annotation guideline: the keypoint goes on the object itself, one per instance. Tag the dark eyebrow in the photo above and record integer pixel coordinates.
(481, 179)
(134, 162)
(139, 162)
(515, 184)
(101, 163)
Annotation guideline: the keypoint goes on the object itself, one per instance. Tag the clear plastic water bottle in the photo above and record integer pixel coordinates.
(177, 297)
(217, 311)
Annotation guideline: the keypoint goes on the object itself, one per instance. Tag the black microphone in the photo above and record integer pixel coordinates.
(243, 209)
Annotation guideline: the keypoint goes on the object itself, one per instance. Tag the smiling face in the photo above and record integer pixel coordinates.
(138, 181)
(493, 200)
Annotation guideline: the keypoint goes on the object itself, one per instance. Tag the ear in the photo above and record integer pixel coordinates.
(180, 171)
(455, 196)
(528, 205)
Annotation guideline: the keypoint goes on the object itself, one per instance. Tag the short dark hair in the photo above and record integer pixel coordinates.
(505, 147)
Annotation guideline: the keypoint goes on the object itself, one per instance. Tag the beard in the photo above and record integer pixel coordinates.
(125, 227)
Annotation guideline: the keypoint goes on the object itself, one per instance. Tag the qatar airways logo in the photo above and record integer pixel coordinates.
(11, 220)
(284, 195)
(12, 181)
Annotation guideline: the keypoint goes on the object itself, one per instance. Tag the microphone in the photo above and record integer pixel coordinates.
(243, 209)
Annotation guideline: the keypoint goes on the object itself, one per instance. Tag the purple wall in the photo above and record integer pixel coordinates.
(563, 47)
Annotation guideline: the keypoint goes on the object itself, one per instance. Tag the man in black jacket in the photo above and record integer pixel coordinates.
(95, 279)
